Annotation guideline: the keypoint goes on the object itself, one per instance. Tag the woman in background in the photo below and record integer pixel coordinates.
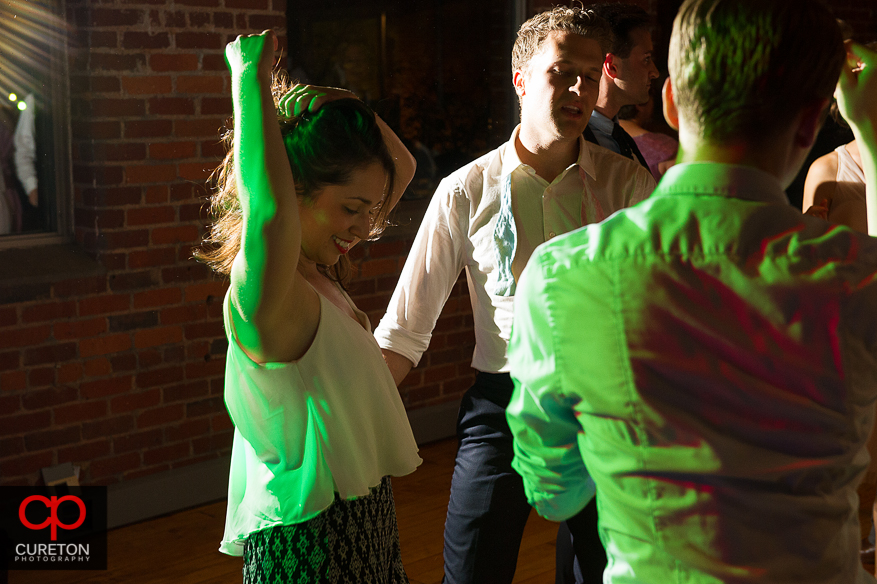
(836, 184)
(835, 191)
(657, 148)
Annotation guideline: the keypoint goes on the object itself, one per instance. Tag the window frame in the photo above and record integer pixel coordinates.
(58, 107)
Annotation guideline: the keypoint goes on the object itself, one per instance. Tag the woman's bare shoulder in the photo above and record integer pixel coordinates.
(821, 181)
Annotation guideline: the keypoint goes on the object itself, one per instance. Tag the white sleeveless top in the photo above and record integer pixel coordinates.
(332, 421)
(847, 206)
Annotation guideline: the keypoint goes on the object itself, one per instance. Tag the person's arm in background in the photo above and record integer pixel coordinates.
(399, 366)
(405, 164)
(857, 99)
(430, 273)
(25, 146)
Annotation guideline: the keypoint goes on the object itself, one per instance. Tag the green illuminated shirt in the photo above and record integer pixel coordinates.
(708, 358)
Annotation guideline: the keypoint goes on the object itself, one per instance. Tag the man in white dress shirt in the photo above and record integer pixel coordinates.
(487, 218)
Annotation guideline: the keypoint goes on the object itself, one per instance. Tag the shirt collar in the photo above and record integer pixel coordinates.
(511, 161)
(723, 180)
(602, 123)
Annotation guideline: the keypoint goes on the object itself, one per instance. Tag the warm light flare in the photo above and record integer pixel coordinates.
(31, 35)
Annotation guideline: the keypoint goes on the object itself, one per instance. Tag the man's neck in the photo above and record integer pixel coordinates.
(607, 102)
(548, 157)
(772, 154)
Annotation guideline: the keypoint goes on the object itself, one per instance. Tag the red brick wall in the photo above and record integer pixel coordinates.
(121, 373)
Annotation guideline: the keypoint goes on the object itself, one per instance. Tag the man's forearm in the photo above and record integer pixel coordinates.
(399, 365)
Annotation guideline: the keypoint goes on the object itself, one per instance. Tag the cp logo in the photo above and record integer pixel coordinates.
(52, 505)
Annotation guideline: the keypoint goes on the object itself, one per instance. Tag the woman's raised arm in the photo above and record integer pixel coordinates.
(264, 271)
(405, 164)
(857, 98)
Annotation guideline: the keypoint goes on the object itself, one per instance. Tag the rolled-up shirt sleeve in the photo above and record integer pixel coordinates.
(431, 270)
(541, 414)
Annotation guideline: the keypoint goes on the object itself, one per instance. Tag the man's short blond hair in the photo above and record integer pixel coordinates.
(744, 68)
(580, 21)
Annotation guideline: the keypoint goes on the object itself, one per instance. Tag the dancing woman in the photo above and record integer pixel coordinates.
(319, 425)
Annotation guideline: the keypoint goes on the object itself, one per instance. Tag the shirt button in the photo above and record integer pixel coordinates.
(551, 234)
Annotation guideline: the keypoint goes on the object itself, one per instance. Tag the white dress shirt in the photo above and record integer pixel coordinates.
(26, 146)
(488, 217)
(602, 128)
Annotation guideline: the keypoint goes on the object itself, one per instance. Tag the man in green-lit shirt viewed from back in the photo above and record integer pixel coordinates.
(708, 357)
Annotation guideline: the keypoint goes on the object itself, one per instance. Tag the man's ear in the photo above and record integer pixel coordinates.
(671, 114)
(518, 82)
(809, 122)
(610, 66)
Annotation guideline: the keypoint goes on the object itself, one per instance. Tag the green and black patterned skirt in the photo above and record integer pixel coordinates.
(355, 542)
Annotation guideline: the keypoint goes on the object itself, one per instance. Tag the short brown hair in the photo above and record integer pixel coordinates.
(623, 19)
(580, 21)
(744, 68)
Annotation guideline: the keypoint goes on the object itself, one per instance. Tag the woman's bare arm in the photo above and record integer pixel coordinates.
(405, 164)
(857, 99)
(264, 273)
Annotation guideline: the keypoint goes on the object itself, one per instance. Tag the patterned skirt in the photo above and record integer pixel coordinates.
(353, 541)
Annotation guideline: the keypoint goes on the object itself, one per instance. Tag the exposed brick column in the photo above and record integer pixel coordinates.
(122, 373)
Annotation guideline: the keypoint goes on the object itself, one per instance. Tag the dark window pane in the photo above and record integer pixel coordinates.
(32, 41)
